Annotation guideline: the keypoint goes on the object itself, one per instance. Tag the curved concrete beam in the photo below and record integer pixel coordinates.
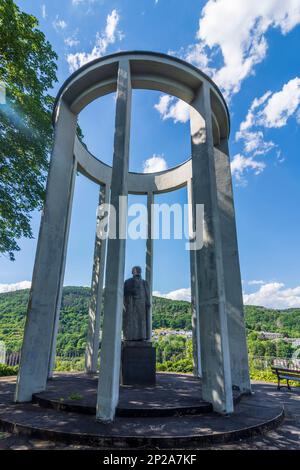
(149, 70)
(138, 183)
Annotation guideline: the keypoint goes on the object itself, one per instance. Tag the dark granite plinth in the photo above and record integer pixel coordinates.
(138, 363)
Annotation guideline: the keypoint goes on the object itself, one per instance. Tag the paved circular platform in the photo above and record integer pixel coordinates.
(253, 415)
(172, 395)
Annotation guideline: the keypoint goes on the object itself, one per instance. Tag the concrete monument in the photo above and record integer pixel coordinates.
(219, 338)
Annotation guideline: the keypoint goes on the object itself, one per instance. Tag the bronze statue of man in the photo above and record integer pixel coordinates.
(136, 317)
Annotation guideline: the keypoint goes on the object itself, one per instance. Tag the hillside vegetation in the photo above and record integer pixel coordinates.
(167, 314)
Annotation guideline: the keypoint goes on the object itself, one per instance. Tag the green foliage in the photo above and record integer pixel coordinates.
(174, 314)
(183, 366)
(75, 396)
(28, 71)
(170, 347)
(277, 321)
(12, 318)
(173, 352)
(265, 374)
(8, 370)
(269, 348)
(70, 365)
(73, 319)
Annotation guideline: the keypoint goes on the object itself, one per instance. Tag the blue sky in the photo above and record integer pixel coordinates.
(251, 50)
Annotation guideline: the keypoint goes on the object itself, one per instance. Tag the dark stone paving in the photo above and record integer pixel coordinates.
(172, 393)
(284, 437)
(287, 436)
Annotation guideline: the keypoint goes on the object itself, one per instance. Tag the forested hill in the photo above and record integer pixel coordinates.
(166, 314)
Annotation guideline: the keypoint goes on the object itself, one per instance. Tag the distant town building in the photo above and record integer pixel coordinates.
(269, 335)
(157, 333)
(295, 342)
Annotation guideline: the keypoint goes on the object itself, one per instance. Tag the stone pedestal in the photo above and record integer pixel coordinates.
(138, 363)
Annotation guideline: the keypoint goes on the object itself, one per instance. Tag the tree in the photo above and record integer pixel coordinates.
(270, 349)
(284, 349)
(28, 71)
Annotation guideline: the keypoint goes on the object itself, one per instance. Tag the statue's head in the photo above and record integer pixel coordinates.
(136, 271)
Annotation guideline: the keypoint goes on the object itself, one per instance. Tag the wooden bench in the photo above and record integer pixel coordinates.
(283, 373)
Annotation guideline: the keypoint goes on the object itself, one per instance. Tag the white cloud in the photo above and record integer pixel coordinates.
(172, 108)
(281, 105)
(87, 4)
(44, 13)
(71, 42)
(241, 165)
(255, 283)
(271, 295)
(274, 295)
(154, 164)
(250, 118)
(103, 40)
(195, 54)
(179, 294)
(59, 24)
(82, 2)
(254, 142)
(236, 30)
(111, 25)
(271, 110)
(14, 287)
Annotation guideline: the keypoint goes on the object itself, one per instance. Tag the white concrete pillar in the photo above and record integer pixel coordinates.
(149, 257)
(49, 264)
(194, 288)
(110, 356)
(95, 308)
(59, 297)
(215, 357)
(233, 285)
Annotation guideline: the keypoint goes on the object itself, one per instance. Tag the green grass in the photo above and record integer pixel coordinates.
(75, 396)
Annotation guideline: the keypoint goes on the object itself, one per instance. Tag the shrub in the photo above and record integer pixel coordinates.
(183, 365)
(8, 370)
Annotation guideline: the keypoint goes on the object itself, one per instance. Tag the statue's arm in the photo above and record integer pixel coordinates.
(129, 288)
(126, 289)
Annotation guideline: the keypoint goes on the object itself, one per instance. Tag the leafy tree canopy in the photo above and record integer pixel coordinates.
(28, 71)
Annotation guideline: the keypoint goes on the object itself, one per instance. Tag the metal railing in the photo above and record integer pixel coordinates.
(72, 361)
(265, 363)
(75, 361)
(13, 358)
